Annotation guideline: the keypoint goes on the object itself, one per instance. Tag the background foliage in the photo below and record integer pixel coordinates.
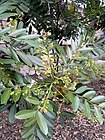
(39, 69)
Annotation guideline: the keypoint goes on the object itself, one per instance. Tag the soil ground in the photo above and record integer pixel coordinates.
(72, 129)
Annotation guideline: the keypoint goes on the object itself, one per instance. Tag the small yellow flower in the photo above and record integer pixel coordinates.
(44, 38)
(40, 40)
(48, 33)
(45, 110)
(51, 44)
(36, 68)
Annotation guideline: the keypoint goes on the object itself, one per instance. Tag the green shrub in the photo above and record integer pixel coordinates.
(36, 73)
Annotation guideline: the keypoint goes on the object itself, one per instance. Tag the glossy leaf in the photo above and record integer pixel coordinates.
(6, 15)
(4, 107)
(7, 61)
(76, 103)
(25, 37)
(87, 109)
(102, 105)
(42, 123)
(33, 100)
(6, 30)
(81, 89)
(29, 122)
(35, 60)
(29, 131)
(98, 99)
(88, 49)
(40, 135)
(16, 95)
(25, 114)
(14, 55)
(73, 45)
(69, 52)
(12, 113)
(51, 114)
(89, 94)
(98, 115)
(17, 32)
(70, 96)
(24, 57)
(5, 96)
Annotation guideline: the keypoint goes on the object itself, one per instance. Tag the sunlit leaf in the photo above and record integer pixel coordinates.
(98, 99)
(33, 100)
(98, 115)
(89, 94)
(5, 96)
(24, 57)
(76, 103)
(81, 89)
(87, 109)
(102, 105)
(42, 123)
(17, 32)
(25, 114)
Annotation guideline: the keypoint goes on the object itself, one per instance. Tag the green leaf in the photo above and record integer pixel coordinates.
(42, 123)
(98, 99)
(48, 120)
(88, 49)
(69, 52)
(7, 61)
(32, 137)
(24, 8)
(81, 89)
(62, 117)
(29, 122)
(16, 95)
(51, 114)
(59, 48)
(28, 132)
(68, 114)
(5, 96)
(3, 8)
(24, 57)
(73, 45)
(40, 135)
(35, 60)
(103, 112)
(25, 114)
(12, 113)
(32, 43)
(5, 50)
(33, 100)
(4, 107)
(19, 78)
(102, 105)
(20, 25)
(76, 103)
(6, 38)
(87, 109)
(89, 94)
(6, 15)
(80, 58)
(80, 40)
(17, 32)
(6, 30)
(14, 55)
(70, 96)
(25, 37)
(98, 115)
